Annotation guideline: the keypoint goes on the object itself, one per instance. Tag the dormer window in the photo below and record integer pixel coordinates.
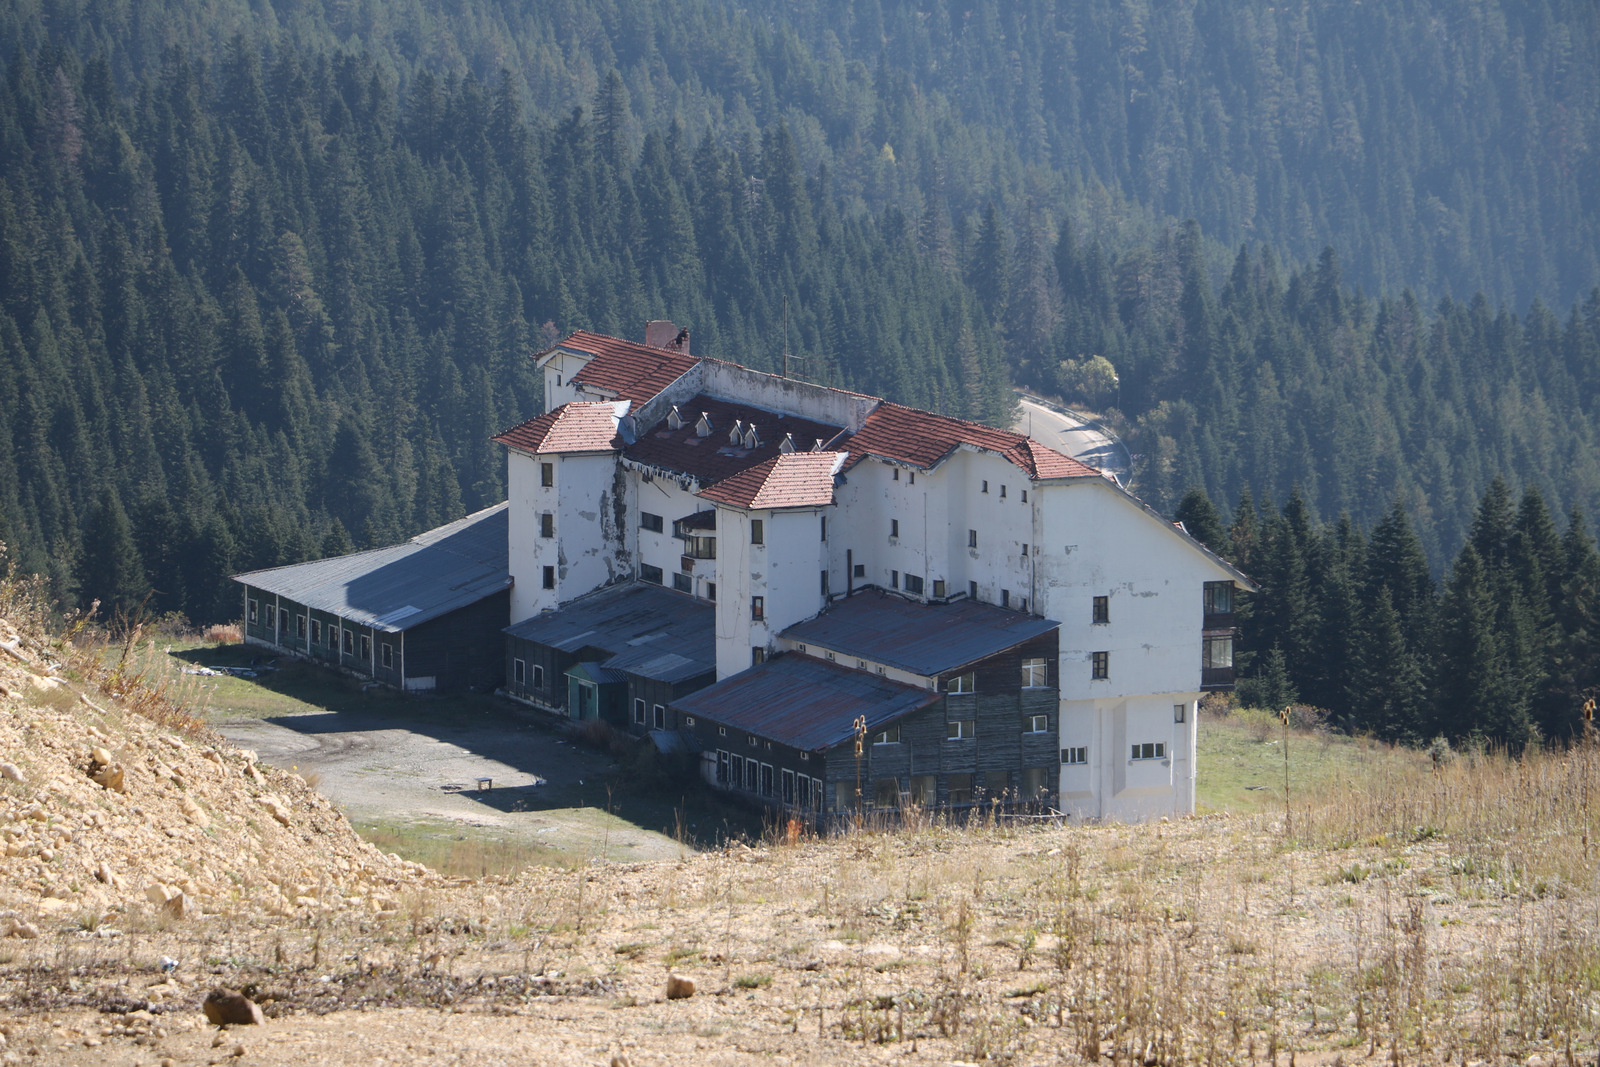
(788, 443)
(818, 446)
(703, 427)
(736, 434)
(751, 438)
(675, 419)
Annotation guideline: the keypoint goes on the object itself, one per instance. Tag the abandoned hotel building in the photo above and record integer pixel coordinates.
(762, 571)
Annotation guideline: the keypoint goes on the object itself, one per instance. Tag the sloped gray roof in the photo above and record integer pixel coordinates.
(924, 639)
(805, 703)
(650, 632)
(402, 586)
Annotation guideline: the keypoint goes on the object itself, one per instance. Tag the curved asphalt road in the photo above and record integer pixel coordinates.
(1067, 432)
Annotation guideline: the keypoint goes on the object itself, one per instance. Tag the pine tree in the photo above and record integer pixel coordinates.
(112, 571)
(1199, 517)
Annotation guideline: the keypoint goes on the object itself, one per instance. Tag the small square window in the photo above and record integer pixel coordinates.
(757, 532)
(688, 720)
(859, 571)
(547, 475)
(805, 757)
(891, 736)
(894, 527)
(861, 664)
(750, 739)
(1102, 610)
(549, 577)
(960, 729)
(1038, 724)
(1102, 665)
(650, 522)
(961, 683)
(519, 671)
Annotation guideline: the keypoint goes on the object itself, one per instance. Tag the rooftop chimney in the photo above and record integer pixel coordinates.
(664, 333)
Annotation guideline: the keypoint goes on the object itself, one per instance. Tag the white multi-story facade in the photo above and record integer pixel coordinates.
(773, 498)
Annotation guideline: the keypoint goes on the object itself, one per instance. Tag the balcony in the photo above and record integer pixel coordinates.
(1216, 679)
(1218, 621)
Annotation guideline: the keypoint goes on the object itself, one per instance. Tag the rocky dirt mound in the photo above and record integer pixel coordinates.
(107, 818)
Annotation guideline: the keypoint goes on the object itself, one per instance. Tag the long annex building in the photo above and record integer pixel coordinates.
(773, 572)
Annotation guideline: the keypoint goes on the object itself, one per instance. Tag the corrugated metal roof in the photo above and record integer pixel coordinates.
(650, 631)
(405, 585)
(921, 638)
(806, 703)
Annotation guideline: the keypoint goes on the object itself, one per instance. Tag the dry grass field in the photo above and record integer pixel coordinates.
(1401, 913)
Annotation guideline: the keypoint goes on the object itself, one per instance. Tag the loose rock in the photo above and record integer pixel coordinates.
(679, 987)
(10, 770)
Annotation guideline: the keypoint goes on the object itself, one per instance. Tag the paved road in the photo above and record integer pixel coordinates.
(1069, 433)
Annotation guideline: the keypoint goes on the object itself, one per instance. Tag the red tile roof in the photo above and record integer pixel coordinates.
(922, 439)
(630, 370)
(791, 480)
(576, 427)
(711, 459)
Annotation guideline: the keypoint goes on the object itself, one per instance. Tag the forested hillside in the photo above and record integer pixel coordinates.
(269, 281)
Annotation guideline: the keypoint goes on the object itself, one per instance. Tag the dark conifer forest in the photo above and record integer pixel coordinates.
(270, 278)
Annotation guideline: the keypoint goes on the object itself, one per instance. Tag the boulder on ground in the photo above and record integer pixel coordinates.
(679, 987)
(230, 1007)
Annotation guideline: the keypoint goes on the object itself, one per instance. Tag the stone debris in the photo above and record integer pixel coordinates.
(232, 1008)
(10, 771)
(679, 987)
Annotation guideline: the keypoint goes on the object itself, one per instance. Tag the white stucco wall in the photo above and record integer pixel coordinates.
(559, 367)
(785, 570)
(589, 548)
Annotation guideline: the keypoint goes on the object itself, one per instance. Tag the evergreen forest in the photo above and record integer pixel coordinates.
(270, 277)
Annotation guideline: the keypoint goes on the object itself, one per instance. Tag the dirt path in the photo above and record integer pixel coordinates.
(424, 767)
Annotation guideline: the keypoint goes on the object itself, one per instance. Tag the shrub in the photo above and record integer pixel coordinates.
(224, 634)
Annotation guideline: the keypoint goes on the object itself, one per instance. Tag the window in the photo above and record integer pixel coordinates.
(650, 522)
(1149, 750)
(700, 547)
(960, 787)
(549, 577)
(1102, 609)
(1034, 783)
(996, 784)
(960, 729)
(1218, 598)
(1035, 673)
(283, 620)
(1180, 712)
(711, 590)
(648, 573)
(860, 570)
(1102, 665)
(972, 538)
(886, 793)
(333, 637)
(683, 583)
(386, 654)
(349, 642)
(986, 485)
(366, 647)
(1038, 724)
(758, 656)
(913, 478)
(1217, 652)
(722, 766)
(766, 779)
(938, 587)
(788, 786)
(894, 527)
(547, 475)
(1005, 598)
(844, 796)
(972, 590)
(896, 476)
(519, 671)
(805, 757)
(894, 579)
(660, 716)
(1002, 492)
(250, 610)
(688, 720)
(961, 683)
(922, 790)
(1075, 756)
(638, 711)
(316, 632)
(891, 736)
(830, 655)
(538, 676)
(757, 532)
(751, 769)
(1024, 496)
(722, 731)
(824, 527)
(824, 583)
(1024, 550)
(1024, 605)
(299, 625)
(547, 524)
